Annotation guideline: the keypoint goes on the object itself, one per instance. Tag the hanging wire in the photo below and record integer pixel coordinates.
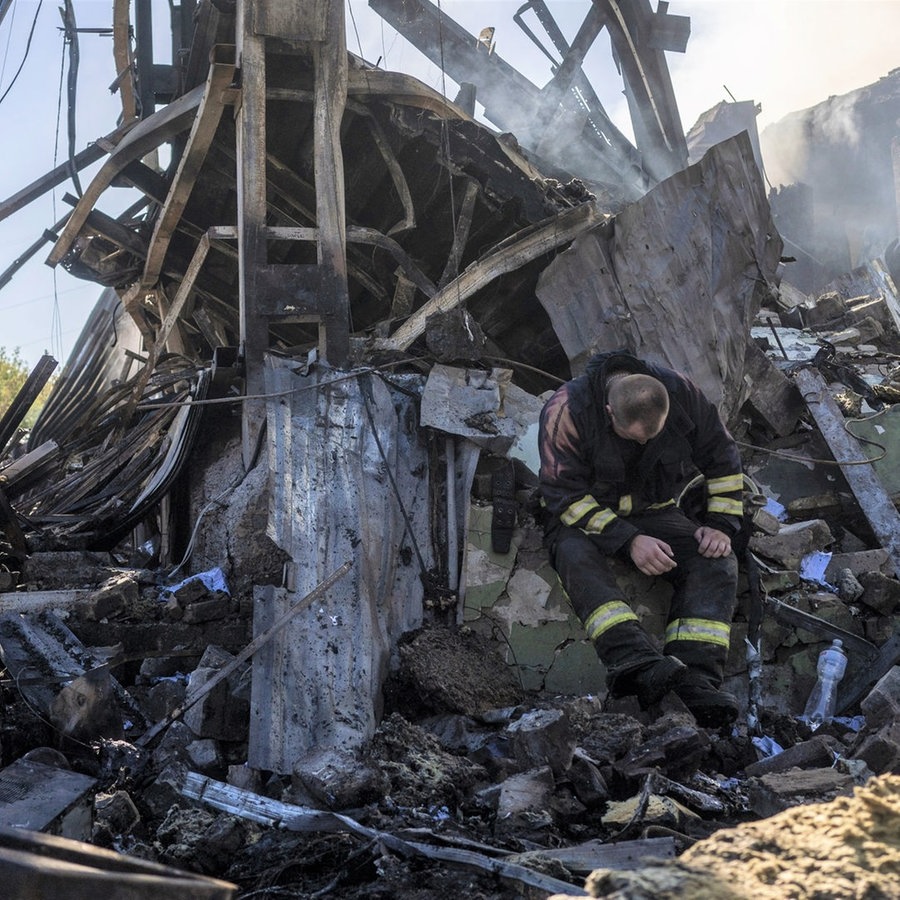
(56, 317)
(355, 29)
(25, 55)
(8, 42)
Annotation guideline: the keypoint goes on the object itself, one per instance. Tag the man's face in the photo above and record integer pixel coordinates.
(639, 432)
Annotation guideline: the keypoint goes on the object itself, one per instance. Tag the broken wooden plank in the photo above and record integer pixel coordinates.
(300, 818)
(61, 173)
(582, 859)
(203, 130)
(147, 135)
(873, 499)
(25, 398)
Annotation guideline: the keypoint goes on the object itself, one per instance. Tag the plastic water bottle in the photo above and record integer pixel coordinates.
(831, 667)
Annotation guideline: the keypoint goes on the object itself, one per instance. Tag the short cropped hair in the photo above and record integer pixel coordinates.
(638, 398)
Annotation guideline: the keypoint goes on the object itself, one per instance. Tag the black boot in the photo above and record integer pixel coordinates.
(711, 706)
(651, 681)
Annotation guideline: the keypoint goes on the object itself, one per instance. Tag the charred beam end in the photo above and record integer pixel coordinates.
(25, 398)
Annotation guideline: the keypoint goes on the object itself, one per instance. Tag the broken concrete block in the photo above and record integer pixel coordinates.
(831, 609)
(611, 736)
(526, 793)
(587, 781)
(61, 569)
(880, 592)
(219, 713)
(114, 815)
(245, 778)
(113, 596)
(336, 779)
(859, 563)
(173, 746)
(881, 706)
(771, 794)
(818, 752)
(814, 506)
(210, 609)
(849, 587)
(203, 754)
(677, 749)
(165, 790)
(793, 542)
(542, 737)
(881, 751)
(164, 698)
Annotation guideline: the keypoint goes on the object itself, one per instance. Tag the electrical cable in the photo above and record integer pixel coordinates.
(71, 37)
(8, 42)
(25, 56)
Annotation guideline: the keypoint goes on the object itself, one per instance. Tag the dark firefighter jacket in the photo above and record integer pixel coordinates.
(593, 480)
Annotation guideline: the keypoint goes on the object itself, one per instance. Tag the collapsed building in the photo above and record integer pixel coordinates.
(301, 420)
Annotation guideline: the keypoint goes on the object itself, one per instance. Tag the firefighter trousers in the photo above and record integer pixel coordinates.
(700, 611)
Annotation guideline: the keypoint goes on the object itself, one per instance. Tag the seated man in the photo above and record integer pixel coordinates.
(617, 444)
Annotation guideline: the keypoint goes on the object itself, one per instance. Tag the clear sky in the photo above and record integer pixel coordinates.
(784, 54)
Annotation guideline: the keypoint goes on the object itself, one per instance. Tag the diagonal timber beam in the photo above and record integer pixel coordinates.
(206, 121)
(144, 137)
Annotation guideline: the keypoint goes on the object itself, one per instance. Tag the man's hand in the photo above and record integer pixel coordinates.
(651, 555)
(712, 543)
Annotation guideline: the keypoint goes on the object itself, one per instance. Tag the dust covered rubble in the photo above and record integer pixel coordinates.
(521, 789)
(465, 758)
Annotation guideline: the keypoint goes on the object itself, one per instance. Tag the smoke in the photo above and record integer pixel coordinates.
(786, 55)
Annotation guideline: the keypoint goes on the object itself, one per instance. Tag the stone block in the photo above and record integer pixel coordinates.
(880, 592)
(541, 737)
(793, 542)
(337, 779)
(881, 706)
(217, 606)
(113, 596)
(778, 791)
(525, 793)
(164, 698)
(587, 781)
(881, 751)
(204, 755)
(818, 752)
(859, 562)
(219, 713)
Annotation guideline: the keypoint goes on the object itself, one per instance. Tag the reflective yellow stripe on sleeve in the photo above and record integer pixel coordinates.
(725, 505)
(607, 616)
(587, 506)
(707, 631)
(578, 510)
(599, 521)
(727, 484)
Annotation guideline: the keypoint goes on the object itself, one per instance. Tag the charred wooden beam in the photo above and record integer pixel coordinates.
(144, 137)
(25, 398)
(203, 130)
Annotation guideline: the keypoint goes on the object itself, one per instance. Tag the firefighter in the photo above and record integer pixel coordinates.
(617, 445)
